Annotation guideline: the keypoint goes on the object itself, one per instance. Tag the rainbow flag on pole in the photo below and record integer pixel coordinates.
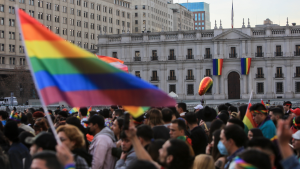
(248, 119)
(217, 66)
(245, 64)
(64, 71)
(136, 111)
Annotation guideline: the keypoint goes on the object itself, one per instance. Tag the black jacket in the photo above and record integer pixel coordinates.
(199, 140)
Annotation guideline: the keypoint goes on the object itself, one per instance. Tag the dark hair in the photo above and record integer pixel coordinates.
(31, 110)
(174, 111)
(4, 115)
(181, 154)
(236, 133)
(154, 147)
(105, 113)
(232, 108)
(215, 125)
(93, 113)
(30, 119)
(56, 112)
(262, 143)
(41, 109)
(181, 124)
(23, 118)
(224, 112)
(215, 151)
(120, 121)
(256, 132)
(277, 111)
(23, 135)
(191, 117)
(123, 135)
(224, 117)
(119, 112)
(237, 122)
(137, 164)
(256, 158)
(50, 158)
(182, 105)
(145, 132)
(167, 114)
(64, 114)
(280, 107)
(83, 111)
(11, 131)
(222, 107)
(243, 110)
(258, 106)
(114, 107)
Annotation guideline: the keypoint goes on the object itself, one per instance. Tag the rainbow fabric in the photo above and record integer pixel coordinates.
(248, 119)
(243, 164)
(114, 62)
(15, 116)
(136, 111)
(260, 111)
(205, 84)
(262, 102)
(217, 66)
(245, 64)
(74, 109)
(65, 72)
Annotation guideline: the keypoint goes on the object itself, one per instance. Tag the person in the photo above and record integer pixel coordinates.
(275, 114)
(203, 161)
(265, 124)
(287, 105)
(296, 143)
(167, 115)
(198, 136)
(4, 161)
(295, 125)
(223, 116)
(254, 132)
(145, 134)
(76, 122)
(252, 159)
(242, 111)
(235, 121)
(181, 108)
(38, 114)
(232, 109)
(46, 160)
(40, 125)
(42, 141)
(198, 107)
(117, 113)
(232, 142)
(138, 164)
(156, 123)
(222, 107)
(23, 124)
(128, 155)
(82, 115)
(117, 128)
(154, 147)
(177, 131)
(18, 154)
(22, 137)
(102, 144)
(72, 138)
(138, 120)
(108, 120)
(113, 108)
(206, 115)
(212, 149)
(215, 125)
(3, 117)
(30, 119)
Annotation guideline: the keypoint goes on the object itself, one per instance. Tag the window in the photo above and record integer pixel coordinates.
(190, 52)
(190, 73)
(136, 29)
(2, 59)
(297, 68)
(2, 48)
(93, 26)
(104, 18)
(110, 20)
(57, 30)
(172, 52)
(110, 10)
(22, 61)
(86, 35)
(92, 36)
(98, 27)
(98, 17)
(115, 55)
(136, 7)
(31, 13)
(65, 20)
(154, 53)
(79, 2)
(172, 73)
(1, 34)
(154, 75)
(71, 32)
(1, 21)
(86, 24)
(190, 89)
(71, 21)
(40, 15)
(172, 88)
(297, 87)
(56, 19)
(71, 1)
(92, 16)
(49, 27)
(11, 48)
(136, 21)
(128, 15)
(78, 12)
(48, 6)
(86, 45)
(79, 23)
(22, 1)
(85, 4)
(196, 17)
(207, 71)
(207, 51)
(21, 49)
(104, 8)
(40, 4)
(128, 24)
(64, 9)
(11, 10)
(92, 5)
(85, 14)
(72, 11)
(12, 61)
(11, 35)
(11, 22)
(79, 44)
(48, 17)
(279, 70)
(56, 7)
(138, 74)
(144, 7)
(279, 87)
(65, 31)
(31, 2)
(202, 16)
(123, 23)
(79, 34)
(136, 14)
(260, 88)
(137, 53)
(278, 51)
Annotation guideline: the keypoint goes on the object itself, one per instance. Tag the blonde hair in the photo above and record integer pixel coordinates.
(204, 161)
(73, 133)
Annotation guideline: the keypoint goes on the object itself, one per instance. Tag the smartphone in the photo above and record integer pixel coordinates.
(126, 121)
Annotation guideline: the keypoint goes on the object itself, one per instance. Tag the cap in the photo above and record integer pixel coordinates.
(43, 140)
(96, 119)
(199, 106)
(297, 135)
(296, 111)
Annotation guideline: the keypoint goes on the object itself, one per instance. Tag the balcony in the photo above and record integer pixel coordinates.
(297, 75)
(234, 55)
(207, 56)
(279, 75)
(278, 53)
(154, 78)
(260, 76)
(259, 54)
(154, 58)
(208, 76)
(189, 56)
(171, 77)
(189, 77)
(297, 53)
(137, 58)
(171, 57)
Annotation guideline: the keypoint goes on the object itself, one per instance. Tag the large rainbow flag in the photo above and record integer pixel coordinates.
(114, 62)
(217, 66)
(248, 119)
(64, 71)
(245, 64)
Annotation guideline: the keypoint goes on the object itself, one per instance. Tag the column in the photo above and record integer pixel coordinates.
(222, 92)
(288, 83)
(245, 83)
(243, 49)
(221, 49)
(268, 49)
(216, 84)
(215, 50)
(249, 49)
(180, 84)
(269, 84)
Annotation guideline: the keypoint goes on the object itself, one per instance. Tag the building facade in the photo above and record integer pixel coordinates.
(201, 14)
(182, 18)
(178, 61)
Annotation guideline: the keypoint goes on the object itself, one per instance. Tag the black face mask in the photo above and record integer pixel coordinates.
(88, 131)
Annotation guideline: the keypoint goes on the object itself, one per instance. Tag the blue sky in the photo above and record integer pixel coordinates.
(256, 10)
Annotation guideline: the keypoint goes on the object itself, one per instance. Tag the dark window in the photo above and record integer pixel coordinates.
(259, 71)
(172, 52)
(115, 55)
(207, 71)
(233, 51)
(154, 73)
(259, 49)
(172, 73)
(137, 73)
(260, 88)
(207, 51)
(279, 87)
(278, 49)
(297, 87)
(137, 53)
(297, 50)
(190, 72)
(190, 52)
(278, 72)
(190, 89)
(297, 70)
(154, 52)
(172, 88)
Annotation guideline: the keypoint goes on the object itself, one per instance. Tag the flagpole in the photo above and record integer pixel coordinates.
(250, 98)
(35, 81)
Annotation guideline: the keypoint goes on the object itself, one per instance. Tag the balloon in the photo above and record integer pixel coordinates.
(205, 84)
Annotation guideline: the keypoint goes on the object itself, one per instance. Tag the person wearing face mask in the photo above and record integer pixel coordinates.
(232, 141)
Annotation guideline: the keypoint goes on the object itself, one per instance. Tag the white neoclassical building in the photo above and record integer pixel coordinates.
(177, 61)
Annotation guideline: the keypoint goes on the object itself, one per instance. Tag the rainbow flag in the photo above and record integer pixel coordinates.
(74, 109)
(217, 66)
(262, 102)
(63, 71)
(15, 116)
(114, 62)
(245, 64)
(136, 111)
(248, 119)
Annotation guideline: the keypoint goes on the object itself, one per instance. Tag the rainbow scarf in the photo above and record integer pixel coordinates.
(217, 66)
(245, 64)
(240, 162)
(63, 71)
(16, 117)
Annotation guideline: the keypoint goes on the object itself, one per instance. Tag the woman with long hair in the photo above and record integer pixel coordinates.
(40, 125)
(212, 149)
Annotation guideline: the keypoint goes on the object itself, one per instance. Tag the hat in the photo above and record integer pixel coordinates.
(296, 111)
(43, 140)
(199, 106)
(297, 135)
(95, 119)
(206, 114)
(287, 103)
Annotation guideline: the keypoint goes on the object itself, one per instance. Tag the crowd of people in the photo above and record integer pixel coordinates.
(161, 138)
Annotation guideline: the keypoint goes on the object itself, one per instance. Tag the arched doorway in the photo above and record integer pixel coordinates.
(233, 85)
